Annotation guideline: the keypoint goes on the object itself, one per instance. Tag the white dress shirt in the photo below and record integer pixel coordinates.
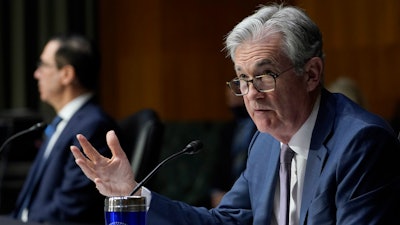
(300, 144)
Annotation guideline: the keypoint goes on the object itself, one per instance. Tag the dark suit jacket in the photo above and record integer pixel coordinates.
(352, 176)
(64, 193)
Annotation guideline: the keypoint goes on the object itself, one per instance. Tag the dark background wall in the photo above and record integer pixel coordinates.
(167, 55)
(25, 27)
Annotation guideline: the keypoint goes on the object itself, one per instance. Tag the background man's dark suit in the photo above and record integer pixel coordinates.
(64, 192)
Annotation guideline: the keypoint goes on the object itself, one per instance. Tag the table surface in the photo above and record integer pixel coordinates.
(9, 221)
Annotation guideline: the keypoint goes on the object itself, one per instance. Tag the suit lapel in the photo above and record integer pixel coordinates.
(315, 163)
(62, 144)
(318, 153)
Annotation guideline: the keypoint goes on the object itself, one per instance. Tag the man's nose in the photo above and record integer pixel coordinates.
(252, 90)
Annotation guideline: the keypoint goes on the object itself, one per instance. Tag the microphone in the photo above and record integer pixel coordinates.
(192, 148)
(23, 132)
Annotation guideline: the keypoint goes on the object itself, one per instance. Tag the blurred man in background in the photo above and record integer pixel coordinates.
(56, 189)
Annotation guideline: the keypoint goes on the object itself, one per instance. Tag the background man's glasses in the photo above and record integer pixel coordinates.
(41, 64)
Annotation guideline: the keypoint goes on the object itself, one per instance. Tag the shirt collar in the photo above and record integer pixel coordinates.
(70, 109)
(300, 142)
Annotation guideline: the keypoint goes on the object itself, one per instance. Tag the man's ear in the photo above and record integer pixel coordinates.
(68, 75)
(313, 71)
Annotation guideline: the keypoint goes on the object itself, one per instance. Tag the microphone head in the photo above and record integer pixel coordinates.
(38, 126)
(193, 147)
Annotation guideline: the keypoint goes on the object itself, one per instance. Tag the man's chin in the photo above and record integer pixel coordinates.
(263, 127)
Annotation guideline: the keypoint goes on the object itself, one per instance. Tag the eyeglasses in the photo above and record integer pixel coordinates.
(262, 83)
(41, 64)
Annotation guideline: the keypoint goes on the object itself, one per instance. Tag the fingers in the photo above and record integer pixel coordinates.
(84, 163)
(108, 174)
(87, 163)
(88, 149)
(77, 153)
(113, 143)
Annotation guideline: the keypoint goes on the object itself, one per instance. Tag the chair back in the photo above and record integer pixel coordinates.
(143, 132)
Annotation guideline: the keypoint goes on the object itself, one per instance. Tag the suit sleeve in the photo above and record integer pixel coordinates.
(234, 209)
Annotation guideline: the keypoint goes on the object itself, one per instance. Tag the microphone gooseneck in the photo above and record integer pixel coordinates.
(23, 132)
(190, 149)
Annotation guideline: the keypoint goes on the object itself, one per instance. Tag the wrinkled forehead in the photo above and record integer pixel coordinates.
(260, 53)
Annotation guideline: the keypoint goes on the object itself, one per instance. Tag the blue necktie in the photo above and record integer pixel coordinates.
(38, 168)
(51, 128)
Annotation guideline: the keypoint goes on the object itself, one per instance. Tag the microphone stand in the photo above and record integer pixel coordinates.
(23, 132)
(10, 139)
(192, 148)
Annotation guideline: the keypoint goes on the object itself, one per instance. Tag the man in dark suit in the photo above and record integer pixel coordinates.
(56, 189)
(317, 157)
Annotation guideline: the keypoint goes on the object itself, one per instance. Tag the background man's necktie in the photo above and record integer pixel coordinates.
(38, 169)
(284, 176)
(51, 128)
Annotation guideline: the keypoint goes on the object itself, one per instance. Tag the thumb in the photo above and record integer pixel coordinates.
(113, 143)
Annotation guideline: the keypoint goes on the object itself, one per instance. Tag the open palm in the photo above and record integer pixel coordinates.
(112, 176)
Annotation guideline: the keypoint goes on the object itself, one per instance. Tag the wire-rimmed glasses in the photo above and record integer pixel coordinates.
(262, 83)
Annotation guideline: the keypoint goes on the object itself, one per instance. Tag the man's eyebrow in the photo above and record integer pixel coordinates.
(264, 62)
(258, 64)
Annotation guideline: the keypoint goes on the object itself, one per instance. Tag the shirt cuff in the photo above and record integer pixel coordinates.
(147, 194)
